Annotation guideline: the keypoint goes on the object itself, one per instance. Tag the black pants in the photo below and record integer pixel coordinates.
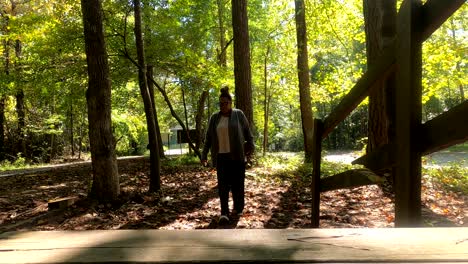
(231, 177)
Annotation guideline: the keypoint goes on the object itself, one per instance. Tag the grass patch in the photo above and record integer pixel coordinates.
(18, 164)
(452, 178)
(181, 160)
(289, 165)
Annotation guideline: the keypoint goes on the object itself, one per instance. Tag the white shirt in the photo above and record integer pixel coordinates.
(222, 131)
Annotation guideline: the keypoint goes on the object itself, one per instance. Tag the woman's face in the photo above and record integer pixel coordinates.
(225, 105)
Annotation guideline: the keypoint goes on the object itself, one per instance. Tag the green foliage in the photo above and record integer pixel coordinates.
(181, 160)
(18, 163)
(290, 165)
(453, 177)
(182, 43)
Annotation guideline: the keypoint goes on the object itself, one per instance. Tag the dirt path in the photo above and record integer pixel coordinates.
(188, 200)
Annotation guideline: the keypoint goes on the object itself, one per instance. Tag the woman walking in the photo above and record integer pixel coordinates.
(230, 140)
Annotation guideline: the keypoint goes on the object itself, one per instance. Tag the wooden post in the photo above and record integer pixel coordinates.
(408, 115)
(315, 185)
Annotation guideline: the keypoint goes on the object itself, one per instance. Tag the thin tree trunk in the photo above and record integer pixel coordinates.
(155, 112)
(20, 103)
(265, 102)
(380, 26)
(105, 184)
(72, 143)
(185, 113)
(242, 70)
(155, 167)
(304, 85)
(454, 38)
(222, 34)
(6, 57)
(2, 128)
(199, 118)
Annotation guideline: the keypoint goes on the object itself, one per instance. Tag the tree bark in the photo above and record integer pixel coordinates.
(155, 166)
(105, 184)
(21, 148)
(222, 34)
(242, 71)
(6, 57)
(149, 74)
(265, 102)
(380, 27)
(304, 84)
(185, 112)
(199, 118)
(2, 128)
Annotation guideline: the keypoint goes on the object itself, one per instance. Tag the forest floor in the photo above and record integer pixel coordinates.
(188, 200)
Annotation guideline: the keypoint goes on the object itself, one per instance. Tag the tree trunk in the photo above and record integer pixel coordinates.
(199, 118)
(222, 34)
(149, 73)
(2, 127)
(155, 167)
(242, 71)
(265, 102)
(304, 85)
(72, 143)
(6, 57)
(21, 147)
(185, 113)
(380, 26)
(105, 184)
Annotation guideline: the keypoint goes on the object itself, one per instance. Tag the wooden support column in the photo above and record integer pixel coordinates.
(316, 159)
(408, 115)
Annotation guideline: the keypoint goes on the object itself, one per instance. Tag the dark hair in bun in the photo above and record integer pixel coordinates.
(225, 93)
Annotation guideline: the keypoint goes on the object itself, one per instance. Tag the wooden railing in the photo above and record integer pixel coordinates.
(415, 23)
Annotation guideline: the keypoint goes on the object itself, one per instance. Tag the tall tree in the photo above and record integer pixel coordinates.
(380, 26)
(242, 70)
(222, 34)
(304, 85)
(155, 167)
(20, 111)
(6, 58)
(149, 73)
(105, 173)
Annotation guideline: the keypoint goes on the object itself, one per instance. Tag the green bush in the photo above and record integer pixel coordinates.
(453, 177)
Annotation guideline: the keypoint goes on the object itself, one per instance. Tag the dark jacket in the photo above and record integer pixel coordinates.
(239, 134)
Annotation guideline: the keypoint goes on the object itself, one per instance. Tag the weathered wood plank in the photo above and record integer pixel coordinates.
(381, 158)
(445, 130)
(61, 203)
(350, 179)
(408, 116)
(435, 13)
(383, 245)
(315, 184)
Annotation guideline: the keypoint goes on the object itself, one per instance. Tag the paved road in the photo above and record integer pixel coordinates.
(437, 159)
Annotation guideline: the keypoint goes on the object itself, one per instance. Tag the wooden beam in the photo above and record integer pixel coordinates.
(361, 90)
(325, 245)
(350, 179)
(61, 203)
(315, 184)
(408, 115)
(378, 159)
(435, 13)
(445, 130)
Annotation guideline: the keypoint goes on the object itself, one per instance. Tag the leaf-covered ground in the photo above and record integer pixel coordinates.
(189, 201)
